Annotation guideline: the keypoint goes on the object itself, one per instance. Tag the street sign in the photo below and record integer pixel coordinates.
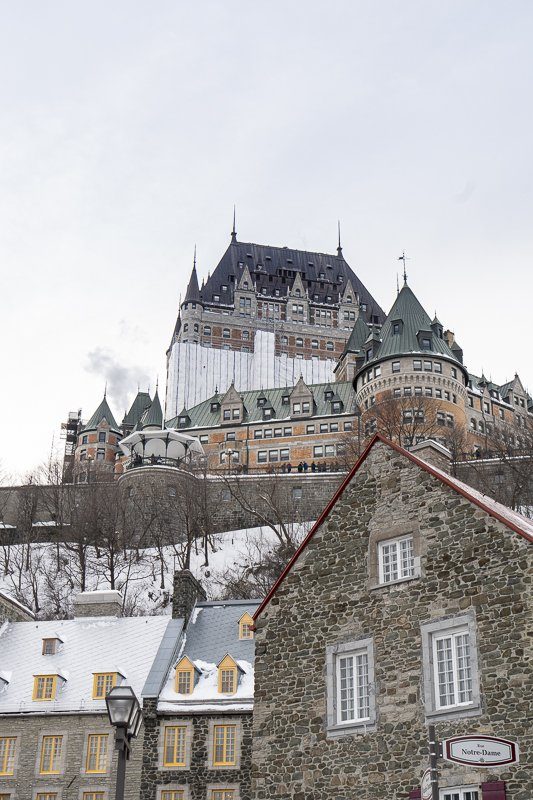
(483, 751)
(425, 785)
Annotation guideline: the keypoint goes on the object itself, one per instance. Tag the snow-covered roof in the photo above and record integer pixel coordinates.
(105, 644)
(212, 633)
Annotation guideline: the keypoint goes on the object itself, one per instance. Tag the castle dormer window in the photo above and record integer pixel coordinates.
(224, 287)
(103, 682)
(215, 406)
(336, 406)
(261, 401)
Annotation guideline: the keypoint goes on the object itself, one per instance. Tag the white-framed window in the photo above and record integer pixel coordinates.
(350, 686)
(451, 678)
(396, 560)
(460, 793)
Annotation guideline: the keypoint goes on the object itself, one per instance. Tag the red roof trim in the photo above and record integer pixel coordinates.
(423, 465)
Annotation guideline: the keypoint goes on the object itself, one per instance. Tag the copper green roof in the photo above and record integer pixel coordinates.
(201, 416)
(102, 412)
(358, 336)
(153, 416)
(138, 407)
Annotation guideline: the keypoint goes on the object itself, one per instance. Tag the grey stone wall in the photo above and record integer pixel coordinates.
(470, 564)
(73, 780)
(198, 777)
(11, 611)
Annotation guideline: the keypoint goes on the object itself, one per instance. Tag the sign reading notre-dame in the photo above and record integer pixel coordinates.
(483, 751)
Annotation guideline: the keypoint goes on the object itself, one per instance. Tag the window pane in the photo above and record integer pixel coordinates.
(174, 747)
(464, 672)
(7, 755)
(444, 663)
(389, 562)
(407, 562)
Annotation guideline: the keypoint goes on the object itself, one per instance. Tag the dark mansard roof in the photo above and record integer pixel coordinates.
(275, 268)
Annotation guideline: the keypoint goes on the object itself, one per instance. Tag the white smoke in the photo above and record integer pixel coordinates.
(122, 381)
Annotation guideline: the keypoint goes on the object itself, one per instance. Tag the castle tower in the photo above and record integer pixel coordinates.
(409, 384)
(97, 446)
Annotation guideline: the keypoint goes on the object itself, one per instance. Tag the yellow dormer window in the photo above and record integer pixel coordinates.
(246, 627)
(184, 676)
(44, 687)
(227, 676)
(103, 682)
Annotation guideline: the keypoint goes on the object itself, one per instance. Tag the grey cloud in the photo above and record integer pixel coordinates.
(121, 380)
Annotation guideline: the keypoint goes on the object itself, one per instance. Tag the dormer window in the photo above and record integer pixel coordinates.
(336, 406)
(215, 406)
(45, 686)
(182, 421)
(246, 625)
(228, 675)
(285, 400)
(103, 682)
(396, 328)
(425, 343)
(187, 675)
(328, 394)
(261, 402)
(51, 645)
(267, 413)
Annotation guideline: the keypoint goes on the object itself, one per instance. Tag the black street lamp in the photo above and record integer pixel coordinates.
(125, 715)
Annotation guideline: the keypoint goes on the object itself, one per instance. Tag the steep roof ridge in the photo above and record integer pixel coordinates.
(154, 414)
(141, 402)
(192, 294)
(408, 310)
(511, 519)
(102, 412)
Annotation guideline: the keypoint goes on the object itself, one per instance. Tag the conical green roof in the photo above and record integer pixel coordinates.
(102, 412)
(154, 415)
(408, 311)
(138, 407)
(358, 336)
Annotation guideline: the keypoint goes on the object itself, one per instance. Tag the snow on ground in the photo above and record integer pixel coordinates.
(46, 577)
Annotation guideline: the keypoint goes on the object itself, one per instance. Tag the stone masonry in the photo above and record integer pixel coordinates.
(198, 776)
(470, 566)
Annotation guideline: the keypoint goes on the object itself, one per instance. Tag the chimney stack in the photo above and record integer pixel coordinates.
(187, 592)
(103, 603)
(433, 453)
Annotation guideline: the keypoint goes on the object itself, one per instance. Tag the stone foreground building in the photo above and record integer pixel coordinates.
(409, 603)
(198, 701)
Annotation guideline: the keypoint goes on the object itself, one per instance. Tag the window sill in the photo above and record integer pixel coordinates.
(394, 583)
(357, 729)
(458, 712)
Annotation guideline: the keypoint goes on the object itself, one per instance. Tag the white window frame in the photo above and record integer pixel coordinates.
(461, 791)
(402, 573)
(334, 653)
(433, 632)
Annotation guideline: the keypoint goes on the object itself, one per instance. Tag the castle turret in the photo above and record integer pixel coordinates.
(97, 446)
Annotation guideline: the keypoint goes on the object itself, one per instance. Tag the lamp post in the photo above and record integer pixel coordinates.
(125, 715)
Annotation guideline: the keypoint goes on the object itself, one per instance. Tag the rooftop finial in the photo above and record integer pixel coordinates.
(397, 284)
(105, 390)
(233, 231)
(404, 258)
(194, 258)
(339, 246)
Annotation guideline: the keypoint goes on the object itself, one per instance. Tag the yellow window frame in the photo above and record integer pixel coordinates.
(246, 627)
(46, 796)
(40, 685)
(222, 794)
(184, 668)
(103, 682)
(101, 740)
(8, 746)
(93, 795)
(56, 746)
(227, 673)
(172, 794)
(227, 742)
(178, 746)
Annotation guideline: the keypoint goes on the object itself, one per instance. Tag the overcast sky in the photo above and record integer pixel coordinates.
(128, 129)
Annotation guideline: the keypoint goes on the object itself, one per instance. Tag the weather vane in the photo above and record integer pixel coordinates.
(404, 258)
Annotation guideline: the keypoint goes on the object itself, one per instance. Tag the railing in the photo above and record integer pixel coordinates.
(154, 461)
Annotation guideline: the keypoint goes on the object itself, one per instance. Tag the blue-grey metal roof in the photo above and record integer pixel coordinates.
(214, 631)
(164, 658)
(102, 412)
